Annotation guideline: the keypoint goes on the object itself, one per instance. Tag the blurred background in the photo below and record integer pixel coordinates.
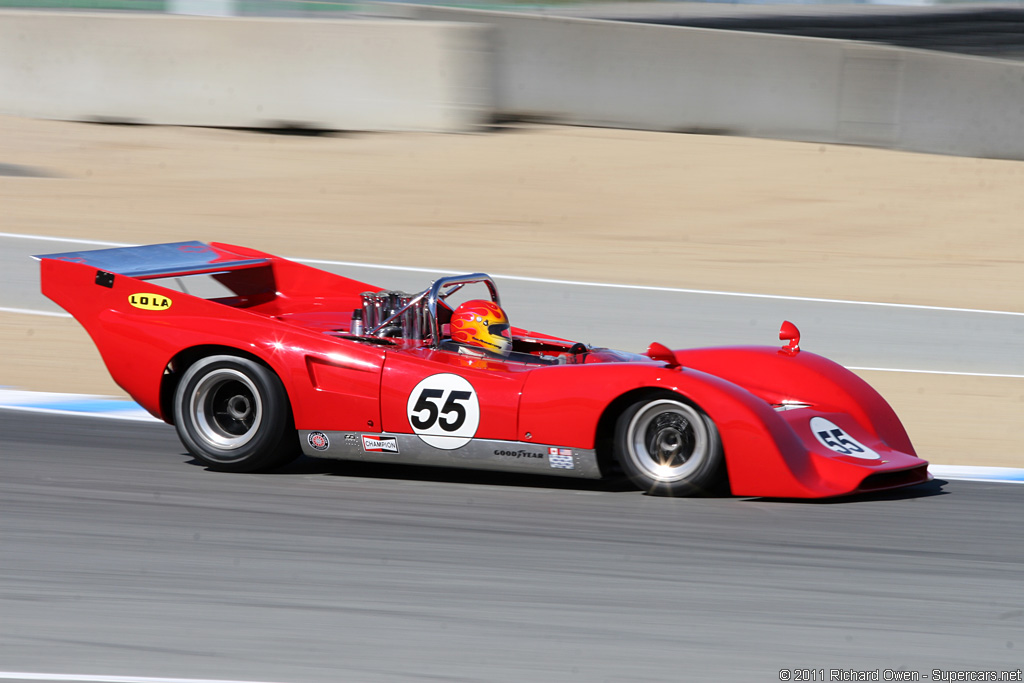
(687, 173)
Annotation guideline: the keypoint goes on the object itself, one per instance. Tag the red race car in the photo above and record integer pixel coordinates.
(274, 358)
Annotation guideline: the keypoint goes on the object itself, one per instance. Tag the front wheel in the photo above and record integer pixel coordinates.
(233, 415)
(670, 448)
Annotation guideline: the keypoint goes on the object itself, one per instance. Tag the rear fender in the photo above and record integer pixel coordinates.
(176, 367)
(329, 383)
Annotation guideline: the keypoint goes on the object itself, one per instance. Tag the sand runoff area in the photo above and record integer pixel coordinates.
(674, 210)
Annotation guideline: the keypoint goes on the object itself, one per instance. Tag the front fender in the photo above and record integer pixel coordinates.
(767, 452)
(777, 377)
(563, 405)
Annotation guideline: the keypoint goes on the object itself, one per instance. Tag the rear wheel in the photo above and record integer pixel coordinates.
(670, 448)
(233, 415)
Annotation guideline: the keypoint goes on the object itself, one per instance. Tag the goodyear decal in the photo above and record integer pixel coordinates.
(150, 302)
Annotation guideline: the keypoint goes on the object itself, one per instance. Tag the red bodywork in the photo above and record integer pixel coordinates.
(291, 317)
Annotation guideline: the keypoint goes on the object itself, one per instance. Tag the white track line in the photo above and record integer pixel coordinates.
(29, 311)
(26, 311)
(74, 240)
(580, 283)
(87, 678)
(936, 372)
(577, 283)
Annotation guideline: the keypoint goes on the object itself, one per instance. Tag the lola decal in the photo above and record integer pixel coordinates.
(380, 444)
(444, 411)
(150, 302)
(834, 438)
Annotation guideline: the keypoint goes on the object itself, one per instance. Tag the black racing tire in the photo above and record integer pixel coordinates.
(668, 447)
(232, 414)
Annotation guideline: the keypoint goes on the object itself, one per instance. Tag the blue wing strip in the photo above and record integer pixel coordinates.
(156, 260)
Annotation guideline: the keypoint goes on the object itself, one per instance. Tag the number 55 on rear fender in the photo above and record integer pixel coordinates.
(267, 356)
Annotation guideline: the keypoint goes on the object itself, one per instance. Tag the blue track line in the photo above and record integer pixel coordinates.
(123, 409)
(73, 404)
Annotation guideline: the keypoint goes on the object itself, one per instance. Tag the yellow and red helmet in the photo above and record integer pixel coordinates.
(482, 324)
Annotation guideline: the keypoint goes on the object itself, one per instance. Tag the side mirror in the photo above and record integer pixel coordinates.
(789, 332)
(661, 352)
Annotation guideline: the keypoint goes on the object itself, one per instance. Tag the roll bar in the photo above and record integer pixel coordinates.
(456, 282)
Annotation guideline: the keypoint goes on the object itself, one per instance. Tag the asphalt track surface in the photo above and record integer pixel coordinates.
(120, 556)
(855, 334)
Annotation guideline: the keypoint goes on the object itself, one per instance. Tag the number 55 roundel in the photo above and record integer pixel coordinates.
(832, 436)
(444, 411)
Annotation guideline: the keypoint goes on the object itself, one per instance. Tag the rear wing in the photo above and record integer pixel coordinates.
(226, 274)
(161, 260)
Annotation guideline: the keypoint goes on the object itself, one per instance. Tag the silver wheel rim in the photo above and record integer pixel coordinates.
(226, 409)
(668, 440)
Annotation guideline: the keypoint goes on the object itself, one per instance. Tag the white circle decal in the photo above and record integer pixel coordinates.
(834, 438)
(444, 411)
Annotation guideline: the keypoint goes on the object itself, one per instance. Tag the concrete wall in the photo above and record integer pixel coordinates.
(361, 75)
(962, 105)
(657, 77)
(453, 68)
(689, 79)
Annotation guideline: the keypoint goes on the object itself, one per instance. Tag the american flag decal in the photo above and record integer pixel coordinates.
(561, 458)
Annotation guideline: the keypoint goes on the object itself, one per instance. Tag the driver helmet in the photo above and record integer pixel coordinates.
(482, 324)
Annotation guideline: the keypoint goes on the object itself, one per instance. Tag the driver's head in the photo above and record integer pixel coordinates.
(482, 324)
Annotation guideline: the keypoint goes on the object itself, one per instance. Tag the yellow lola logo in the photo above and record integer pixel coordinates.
(150, 302)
